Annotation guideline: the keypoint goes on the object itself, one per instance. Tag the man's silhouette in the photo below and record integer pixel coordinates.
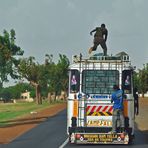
(100, 38)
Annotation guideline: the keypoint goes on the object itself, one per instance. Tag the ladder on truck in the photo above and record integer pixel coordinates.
(81, 99)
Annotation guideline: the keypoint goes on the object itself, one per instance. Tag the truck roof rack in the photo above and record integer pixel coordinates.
(99, 57)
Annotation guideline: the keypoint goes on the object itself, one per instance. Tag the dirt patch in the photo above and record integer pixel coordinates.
(142, 118)
(19, 126)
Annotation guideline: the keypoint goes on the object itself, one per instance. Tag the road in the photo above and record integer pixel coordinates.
(52, 134)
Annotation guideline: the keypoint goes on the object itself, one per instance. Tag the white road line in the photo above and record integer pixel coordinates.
(66, 141)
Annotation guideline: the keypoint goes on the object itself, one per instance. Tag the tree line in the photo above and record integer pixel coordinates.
(44, 78)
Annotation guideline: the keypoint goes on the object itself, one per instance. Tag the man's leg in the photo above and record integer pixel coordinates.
(122, 123)
(92, 48)
(104, 47)
(96, 43)
(114, 120)
(137, 107)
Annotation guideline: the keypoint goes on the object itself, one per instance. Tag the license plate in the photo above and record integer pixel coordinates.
(99, 123)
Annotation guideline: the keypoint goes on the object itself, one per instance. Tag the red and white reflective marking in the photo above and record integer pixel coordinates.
(99, 109)
(103, 110)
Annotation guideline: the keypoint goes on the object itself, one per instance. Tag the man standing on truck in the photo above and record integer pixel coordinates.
(117, 99)
(136, 101)
(100, 37)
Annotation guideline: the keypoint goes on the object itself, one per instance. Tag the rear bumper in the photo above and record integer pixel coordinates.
(95, 135)
(99, 138)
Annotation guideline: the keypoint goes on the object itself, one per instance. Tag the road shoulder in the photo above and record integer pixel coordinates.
(22, 125)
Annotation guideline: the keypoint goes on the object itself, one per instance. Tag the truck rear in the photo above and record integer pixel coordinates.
(90, 111)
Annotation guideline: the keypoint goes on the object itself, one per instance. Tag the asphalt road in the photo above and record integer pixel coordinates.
(52, 134)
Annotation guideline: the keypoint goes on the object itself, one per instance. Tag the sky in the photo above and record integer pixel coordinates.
(63, 26)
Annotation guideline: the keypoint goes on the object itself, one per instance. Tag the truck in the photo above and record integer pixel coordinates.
(89, 107)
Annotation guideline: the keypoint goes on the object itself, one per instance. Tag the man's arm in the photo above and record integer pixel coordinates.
(92, 31)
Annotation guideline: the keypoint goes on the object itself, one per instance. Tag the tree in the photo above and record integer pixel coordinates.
(58, 75)
(6, 94)
(49, 75)
(20, 88)
(31, 70)
(141, 79)
(62, 68)
(9, 53)
(136, 80)
(14, 92)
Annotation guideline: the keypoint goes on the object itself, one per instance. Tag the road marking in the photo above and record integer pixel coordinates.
(66, 141)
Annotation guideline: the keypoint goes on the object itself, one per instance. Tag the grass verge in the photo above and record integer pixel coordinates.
(11, 111)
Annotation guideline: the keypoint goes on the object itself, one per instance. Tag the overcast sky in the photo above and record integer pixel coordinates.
(63, 26)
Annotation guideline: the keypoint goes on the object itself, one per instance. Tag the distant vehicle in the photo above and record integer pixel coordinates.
(89, 113)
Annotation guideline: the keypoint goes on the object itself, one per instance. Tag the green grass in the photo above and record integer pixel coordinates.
(9, 111)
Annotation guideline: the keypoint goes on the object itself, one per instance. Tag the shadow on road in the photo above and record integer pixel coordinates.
(141, 136)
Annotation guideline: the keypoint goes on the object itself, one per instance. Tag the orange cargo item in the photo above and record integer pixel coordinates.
(125, 104)
(75, 108)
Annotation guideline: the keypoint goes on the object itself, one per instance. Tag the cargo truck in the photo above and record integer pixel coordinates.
(90, 111)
